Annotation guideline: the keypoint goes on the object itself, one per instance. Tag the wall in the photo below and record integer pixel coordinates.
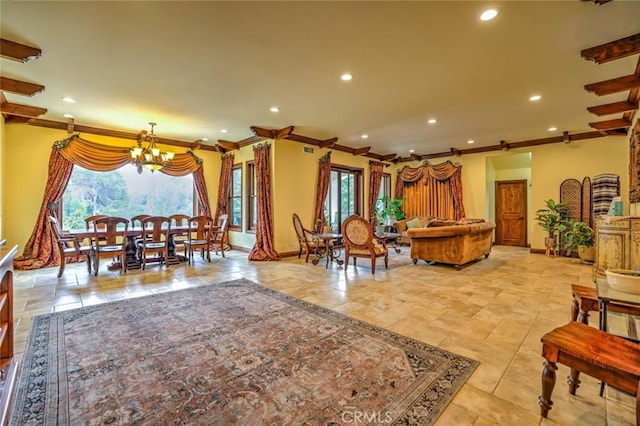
(27, 150)
(294, 177)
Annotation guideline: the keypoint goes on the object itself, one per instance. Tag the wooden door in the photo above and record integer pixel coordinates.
(511, 213)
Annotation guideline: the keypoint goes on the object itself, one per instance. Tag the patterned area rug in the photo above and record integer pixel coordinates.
(229, 353)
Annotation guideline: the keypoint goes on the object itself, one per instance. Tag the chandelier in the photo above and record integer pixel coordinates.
(150, 158)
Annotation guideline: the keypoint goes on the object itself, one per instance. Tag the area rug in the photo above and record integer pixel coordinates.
(229, 353)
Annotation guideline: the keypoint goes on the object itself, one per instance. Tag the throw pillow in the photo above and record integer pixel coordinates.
(413, 223)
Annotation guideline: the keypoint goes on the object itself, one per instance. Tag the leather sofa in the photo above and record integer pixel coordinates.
(402, 229)
(454, 243)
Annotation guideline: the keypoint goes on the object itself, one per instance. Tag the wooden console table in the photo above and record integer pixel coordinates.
(617, 243)
(8, 368)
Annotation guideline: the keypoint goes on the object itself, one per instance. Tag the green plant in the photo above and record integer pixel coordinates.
(387, 208)
(552, 217)
(575, 234)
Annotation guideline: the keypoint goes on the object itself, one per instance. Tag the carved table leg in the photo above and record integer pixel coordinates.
(573, 380)
(548, 382)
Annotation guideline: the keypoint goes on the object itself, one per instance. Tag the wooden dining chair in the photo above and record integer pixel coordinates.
(198, 237)
(360, 241)
(69, 247)
(109, 240)
(219, 234)
(179, 220)
(155, 240)
(305, 239)
(88, 221)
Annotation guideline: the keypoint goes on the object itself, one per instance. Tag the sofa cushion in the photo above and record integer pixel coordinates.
(414, 223)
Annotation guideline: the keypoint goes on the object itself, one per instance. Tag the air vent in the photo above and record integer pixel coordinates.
(307, 150)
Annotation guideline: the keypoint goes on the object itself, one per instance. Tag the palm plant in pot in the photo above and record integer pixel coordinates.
(578, 236)
(550, 219)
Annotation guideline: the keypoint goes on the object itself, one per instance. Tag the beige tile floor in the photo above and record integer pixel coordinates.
(494, 311)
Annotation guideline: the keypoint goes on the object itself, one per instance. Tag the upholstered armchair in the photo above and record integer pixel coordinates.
(305, 239)
(360, 241)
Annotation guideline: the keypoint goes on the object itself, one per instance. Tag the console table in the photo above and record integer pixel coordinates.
(8, 367)
(617, 243)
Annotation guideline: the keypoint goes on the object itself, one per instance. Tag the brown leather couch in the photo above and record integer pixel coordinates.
(401, 227)
(454, 244)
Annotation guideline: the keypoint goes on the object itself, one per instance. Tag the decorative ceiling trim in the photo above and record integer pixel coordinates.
(361, 151)
(618, 123)
(614, 85)
(17, 51)
(613, 50)
(613, 108)
(20, 87)
(10, 108)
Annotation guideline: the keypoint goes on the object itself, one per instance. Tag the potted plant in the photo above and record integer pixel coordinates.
(578, 236)
(550, 219)
(387, 210)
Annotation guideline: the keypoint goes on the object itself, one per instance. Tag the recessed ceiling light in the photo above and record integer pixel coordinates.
(552, 129)
(68, 116)
(274, 109)
(346, 77)
(471, 141)
(205, 139)
(223, 130)
(432, 121)
(364, 136)
(68, 99)
(534, 98)
(488, 14)
(411, 151)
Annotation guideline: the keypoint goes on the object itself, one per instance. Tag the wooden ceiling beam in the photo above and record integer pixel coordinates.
(303, 139)
(388, 157)
(613, 108)
(18, 52)
(328, 143)
(250, 140)
(613, 50)
(361, 151)
(615, 85)
(229, 146)
(22, 110)
(20, 87)
(16, 119)
(618, 123)
(272, 133)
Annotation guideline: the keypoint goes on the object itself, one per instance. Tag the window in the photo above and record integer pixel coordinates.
(252, 199)
(345, 195)
(235, 198)
(124, 193)
(385, 189)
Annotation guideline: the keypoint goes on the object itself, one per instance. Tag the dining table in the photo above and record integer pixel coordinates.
(330, 249)
(131, 249)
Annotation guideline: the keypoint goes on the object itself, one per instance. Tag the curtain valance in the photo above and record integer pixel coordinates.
(442, 171)
(103, 158)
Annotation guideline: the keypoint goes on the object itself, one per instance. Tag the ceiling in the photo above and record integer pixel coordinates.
(196, 68)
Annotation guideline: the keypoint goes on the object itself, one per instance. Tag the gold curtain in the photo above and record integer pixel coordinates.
(432, 190)
(104, 158)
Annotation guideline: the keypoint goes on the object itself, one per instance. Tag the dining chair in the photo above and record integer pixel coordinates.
(69, 247)
(198, 237)
(88, 221)
(360, 241)
(136, 221)
(109, 240)
(179, 220)
(219, 234)
(305, 238)
(155, 239)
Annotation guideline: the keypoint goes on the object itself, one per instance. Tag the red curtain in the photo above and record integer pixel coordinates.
(39, 251)
(201, 190)
(399, 187)
(324, 179)
(225, 185)
(263, 249)
(375, 179)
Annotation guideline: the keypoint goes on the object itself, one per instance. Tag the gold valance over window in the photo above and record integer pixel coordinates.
(431, 190)
(104, 158)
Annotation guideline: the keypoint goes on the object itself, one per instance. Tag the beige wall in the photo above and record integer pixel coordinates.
(294, 176)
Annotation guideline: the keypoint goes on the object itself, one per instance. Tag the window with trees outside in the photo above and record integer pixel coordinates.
(385, 189)
(345, 195)
(252, 200)
(235, 198)
(125, 193)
